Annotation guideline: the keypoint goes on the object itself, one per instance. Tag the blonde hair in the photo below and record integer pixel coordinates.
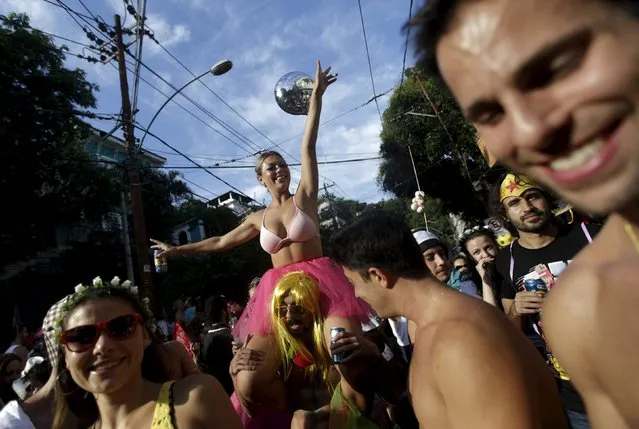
(260, 160)
(305, 292)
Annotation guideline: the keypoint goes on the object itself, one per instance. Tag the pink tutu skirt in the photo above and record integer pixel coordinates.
(265, 418)
(336, 297)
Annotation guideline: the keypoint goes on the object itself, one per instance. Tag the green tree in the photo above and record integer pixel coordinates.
(446, 157)
(47, 178)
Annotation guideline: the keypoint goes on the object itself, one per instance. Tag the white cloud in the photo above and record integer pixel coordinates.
(259, 55)
(166, 33)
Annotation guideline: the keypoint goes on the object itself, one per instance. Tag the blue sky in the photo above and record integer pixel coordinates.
(264, 39)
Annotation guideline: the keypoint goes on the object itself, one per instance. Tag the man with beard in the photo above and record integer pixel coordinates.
(305, 385)
(542, 252)
(553, 89)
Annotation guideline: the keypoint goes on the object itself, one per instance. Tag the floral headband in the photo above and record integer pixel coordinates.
(83, 290)
(477, 228)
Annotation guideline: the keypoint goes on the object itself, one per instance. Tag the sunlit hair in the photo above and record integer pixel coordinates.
(262, 157)
(304, 290)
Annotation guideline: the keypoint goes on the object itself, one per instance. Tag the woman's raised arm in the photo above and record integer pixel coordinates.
(309, 180)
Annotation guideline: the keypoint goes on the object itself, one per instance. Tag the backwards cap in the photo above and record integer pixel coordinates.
(514, 186)
(427, 239)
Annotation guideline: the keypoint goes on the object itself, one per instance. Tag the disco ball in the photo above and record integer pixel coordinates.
(293, 91)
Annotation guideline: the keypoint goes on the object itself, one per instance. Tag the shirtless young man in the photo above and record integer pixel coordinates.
(553, 89)
(471, 367)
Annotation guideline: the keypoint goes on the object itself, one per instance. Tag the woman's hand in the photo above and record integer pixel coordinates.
(485, 270)
(167, 249)
(246, 360)
(323, 79)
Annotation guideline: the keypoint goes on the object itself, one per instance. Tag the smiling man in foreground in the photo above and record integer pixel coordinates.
(471, 367)
(553, 88)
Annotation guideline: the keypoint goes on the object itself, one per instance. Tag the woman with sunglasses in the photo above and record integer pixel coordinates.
(480, 245)
(111, 372)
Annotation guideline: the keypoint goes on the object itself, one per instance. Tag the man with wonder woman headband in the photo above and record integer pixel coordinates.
(305, 385)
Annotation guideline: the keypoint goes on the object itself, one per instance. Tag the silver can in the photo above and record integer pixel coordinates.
(337, 357)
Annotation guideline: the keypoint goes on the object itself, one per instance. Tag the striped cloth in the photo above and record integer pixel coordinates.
(48, 330)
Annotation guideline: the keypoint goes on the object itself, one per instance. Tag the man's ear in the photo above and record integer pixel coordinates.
(381, 277)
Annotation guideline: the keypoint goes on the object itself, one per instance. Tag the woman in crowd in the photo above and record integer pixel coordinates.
(10, 368)
(480, 245)
(289, 232)
(111, 370)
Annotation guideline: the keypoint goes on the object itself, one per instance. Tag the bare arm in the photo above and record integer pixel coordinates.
(309, 179)
(476, 374)
(246, 231)
(201, 403)
(591, 318)
(356, 379)
(261, 386)
(177, 352)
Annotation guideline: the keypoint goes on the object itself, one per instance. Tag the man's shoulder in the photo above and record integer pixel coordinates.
(454, 336)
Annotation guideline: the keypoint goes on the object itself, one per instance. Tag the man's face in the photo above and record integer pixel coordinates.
(437, 262)
(299, 319)
(529, 212)
(370, 291)
(553, 88)
(461, 265)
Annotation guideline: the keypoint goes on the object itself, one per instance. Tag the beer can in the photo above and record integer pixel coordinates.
(160, 263)
(535, 285)
(337, 357)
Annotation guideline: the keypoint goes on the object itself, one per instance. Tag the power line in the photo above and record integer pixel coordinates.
(215, 94)
(250, 144)
(410, 15)
(195, 163)
(366, 103)
(368, 56)
(194, 115)
(239, 167)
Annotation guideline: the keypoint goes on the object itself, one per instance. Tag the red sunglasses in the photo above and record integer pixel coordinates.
(82, 338)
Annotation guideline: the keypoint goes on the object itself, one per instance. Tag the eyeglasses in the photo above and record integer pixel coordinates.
(459, 267)
(82, 338)
(295, 310)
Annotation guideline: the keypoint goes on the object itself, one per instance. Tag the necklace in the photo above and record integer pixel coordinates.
(632, 235)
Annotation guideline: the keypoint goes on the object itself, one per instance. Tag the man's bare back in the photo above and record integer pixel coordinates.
(472, 368)
(581, 319)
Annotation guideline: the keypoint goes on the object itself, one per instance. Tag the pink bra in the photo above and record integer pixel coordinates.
(300, 229)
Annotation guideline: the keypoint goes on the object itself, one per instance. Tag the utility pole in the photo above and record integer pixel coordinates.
(139, 227)
(331, 205)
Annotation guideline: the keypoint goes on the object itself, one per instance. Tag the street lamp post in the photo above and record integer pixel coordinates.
(217, 70)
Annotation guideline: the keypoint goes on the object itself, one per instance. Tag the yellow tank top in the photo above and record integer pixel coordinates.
(162, 416)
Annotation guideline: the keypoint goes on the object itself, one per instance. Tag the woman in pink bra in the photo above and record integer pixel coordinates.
(289, 232)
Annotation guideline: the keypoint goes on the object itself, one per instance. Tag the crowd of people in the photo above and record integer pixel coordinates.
(396, 329)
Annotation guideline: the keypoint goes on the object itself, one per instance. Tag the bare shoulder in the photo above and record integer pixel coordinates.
(200, 400)
(255, 218)
(584, 307)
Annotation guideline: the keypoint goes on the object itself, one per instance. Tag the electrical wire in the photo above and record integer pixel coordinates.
(368, 56)
(239, 167)
(410, 15)
(249, 143)
(195, 163)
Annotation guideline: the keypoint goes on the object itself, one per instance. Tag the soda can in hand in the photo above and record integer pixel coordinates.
(336, 357)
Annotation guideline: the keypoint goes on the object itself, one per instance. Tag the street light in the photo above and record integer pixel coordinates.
(217, 70)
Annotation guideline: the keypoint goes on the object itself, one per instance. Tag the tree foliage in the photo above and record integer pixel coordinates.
(446, 156)
(47, 178)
